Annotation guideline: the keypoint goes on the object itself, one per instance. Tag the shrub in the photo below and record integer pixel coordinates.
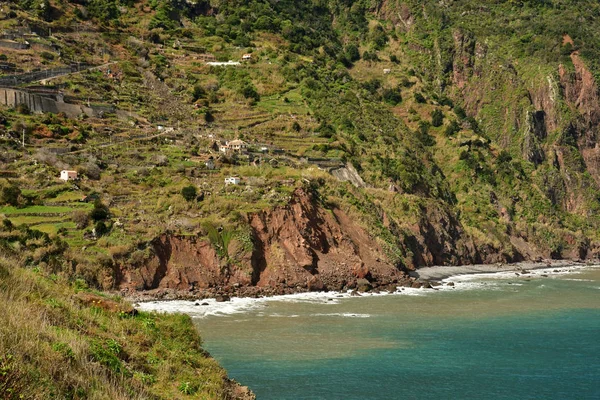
(351, 52)
(101, 228)
(187, 388)
(23, 109)
(9, 194)
(419, 98)
(437, 118)
(99, 212)
(452, 128)
(81, 219)
(392, 96)
(460, 112)
(189, 193)
(47, 55)
(198, 92)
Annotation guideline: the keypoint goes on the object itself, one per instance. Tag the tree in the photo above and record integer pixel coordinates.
(437, 118)
(9, 194)
(198, 92)
(392, 96)
(352, 53)
(99, 212)
(249, 92)
(189, 192)
(100, 228)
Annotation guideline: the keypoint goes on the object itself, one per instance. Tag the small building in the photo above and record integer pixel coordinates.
(67, 175)
(232, 180)
(233, 146)
(237, 145)
(247, 57)
(210, 164)
(223, 64)
(264, 149)
(387, 71)
(89, 198)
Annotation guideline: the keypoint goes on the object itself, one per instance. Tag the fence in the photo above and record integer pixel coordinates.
(15, 80)
(14, 45)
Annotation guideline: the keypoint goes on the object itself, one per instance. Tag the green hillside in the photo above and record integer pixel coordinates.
(469, 131)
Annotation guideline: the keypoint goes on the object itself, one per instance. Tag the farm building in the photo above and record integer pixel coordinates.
(234, 146)
(232, 180)
(67, 175)
(210, 164)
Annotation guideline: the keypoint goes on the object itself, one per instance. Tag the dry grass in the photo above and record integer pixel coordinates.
(52, 346)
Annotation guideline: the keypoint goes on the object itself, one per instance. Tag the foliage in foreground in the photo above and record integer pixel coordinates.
(54, 346)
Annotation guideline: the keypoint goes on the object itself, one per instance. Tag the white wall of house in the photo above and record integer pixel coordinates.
(68, 175)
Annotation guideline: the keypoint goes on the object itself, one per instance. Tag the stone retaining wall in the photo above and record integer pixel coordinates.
(42, 104)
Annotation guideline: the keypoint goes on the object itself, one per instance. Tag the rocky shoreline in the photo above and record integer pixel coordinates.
(438, 273)
(427, 278)
(224, 293)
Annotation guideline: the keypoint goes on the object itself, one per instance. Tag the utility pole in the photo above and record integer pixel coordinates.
(23, 138)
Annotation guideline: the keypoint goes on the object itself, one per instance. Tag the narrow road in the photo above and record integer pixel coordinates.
(46, 80)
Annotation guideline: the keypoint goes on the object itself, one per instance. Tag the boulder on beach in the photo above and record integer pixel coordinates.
(363, 285)
(222, 298)
(315, 284)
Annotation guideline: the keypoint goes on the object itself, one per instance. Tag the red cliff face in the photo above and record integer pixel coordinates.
(303, 243)
(581, 92)
(305, 246)
(296, 247)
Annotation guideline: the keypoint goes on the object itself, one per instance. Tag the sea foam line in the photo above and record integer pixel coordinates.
(237, 305)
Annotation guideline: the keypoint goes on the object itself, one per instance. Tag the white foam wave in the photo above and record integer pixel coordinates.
(485, 281)
(503, 275)
(346, 315)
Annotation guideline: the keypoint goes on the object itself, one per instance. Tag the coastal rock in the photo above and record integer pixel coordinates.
(364, 285)
(315, 284)
(94, 300)
(222, 298)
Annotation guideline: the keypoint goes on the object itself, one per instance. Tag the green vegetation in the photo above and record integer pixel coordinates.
(461, 112)
(54, 344)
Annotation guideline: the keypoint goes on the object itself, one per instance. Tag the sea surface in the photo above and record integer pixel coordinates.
(491, 336)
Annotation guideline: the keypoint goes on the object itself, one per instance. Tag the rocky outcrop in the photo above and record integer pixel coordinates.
(349, 174)
(298, 247)
(304, 246)
(303, 241)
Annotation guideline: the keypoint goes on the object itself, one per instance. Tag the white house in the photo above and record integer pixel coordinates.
(237, 145)
(67, 175)
(387, 71)
(232, 180)
(234, 146)
(223, 64)
(246, 57)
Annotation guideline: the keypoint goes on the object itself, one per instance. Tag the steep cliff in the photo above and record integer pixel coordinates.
(304, 246)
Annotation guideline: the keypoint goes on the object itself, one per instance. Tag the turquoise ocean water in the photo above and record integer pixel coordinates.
(490, 337)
